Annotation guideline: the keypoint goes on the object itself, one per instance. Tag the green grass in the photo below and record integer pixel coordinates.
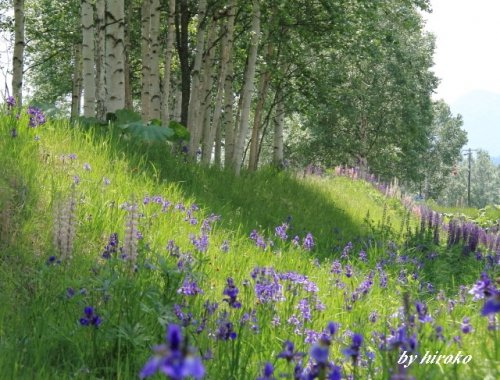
(40, 336)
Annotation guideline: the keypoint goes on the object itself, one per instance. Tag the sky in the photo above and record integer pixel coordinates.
(467, 60)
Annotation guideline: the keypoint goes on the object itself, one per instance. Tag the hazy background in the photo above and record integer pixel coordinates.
(467, 59)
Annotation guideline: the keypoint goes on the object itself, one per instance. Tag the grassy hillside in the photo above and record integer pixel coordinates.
(65, 190)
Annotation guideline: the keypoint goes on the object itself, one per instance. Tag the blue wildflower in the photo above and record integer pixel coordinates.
(353, 349)
(231, 291)
(89, 317)
(308, 242)
(174, 359)
(189, 288)
(288, 353)
(280, 231)
(10, 101)
(267, 372)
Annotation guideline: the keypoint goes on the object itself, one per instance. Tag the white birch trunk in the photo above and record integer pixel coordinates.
(128, 88)
(194, 101)
(18, 58)
(206, 89)
(145, 59)
(76, 92)
(100, 51)
(88, 60)
(259, 107)
(169, 52)
(228, 125)
(115, 55)
(279, 122)
(177, 109)
(154, 60)
(247, 88)
(226, 55)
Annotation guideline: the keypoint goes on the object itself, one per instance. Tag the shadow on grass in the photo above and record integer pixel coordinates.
(260, 200)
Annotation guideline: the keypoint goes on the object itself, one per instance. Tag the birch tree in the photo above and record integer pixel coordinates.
(100, 47)
(88, 60)
(115, 55)
(182, 17)
(18, 58)
(154, 71)
(77, 81)
(247, 88)
(259, 108)
(194, 101)
(279, 121)
(169, 51)
(145, 59)
(225, 56)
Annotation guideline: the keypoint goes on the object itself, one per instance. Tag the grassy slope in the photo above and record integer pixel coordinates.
(39, 334)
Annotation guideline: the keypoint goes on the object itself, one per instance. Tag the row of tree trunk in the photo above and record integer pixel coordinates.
(196, 87)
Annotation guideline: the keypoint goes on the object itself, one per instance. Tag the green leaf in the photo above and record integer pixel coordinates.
(149, 133)
(125, 116)
(181, 132)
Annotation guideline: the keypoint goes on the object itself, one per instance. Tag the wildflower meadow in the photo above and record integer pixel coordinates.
(122, 260)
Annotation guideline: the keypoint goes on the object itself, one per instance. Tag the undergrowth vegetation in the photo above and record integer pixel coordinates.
(112, 247)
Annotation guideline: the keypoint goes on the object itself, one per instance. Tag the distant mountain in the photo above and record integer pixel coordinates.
(481, 113)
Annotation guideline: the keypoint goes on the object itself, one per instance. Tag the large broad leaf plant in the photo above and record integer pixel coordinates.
(131, 124)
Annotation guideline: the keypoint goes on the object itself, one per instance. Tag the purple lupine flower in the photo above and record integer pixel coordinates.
(492, 304)
(348, 271)
(185, 318)
(465, 326)
(224, 247)
(422, 312)
(189, 288)
(280, 231)
(10, 101)
(482, 288)
(400, 339)
(275, 321)
(224, 330)
(13, 133)
(89, 317)
(439, 333)
(231, 291)
(296, 241)
(353, 349)
(106, 181)
(319, 353)
(70, 292)
(174, 359)
(36, 117)
(86, 166)
(373, 316)
(259, 240)
(346, 250)
(288, 353)
(76, 179)
(308, 242)
(267, 372)
(336, 267)
(200, 243)
(362, 255)
(111, 248)
(267, 287)
(305, 310)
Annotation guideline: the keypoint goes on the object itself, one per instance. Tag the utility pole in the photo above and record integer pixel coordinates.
(469, 153)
